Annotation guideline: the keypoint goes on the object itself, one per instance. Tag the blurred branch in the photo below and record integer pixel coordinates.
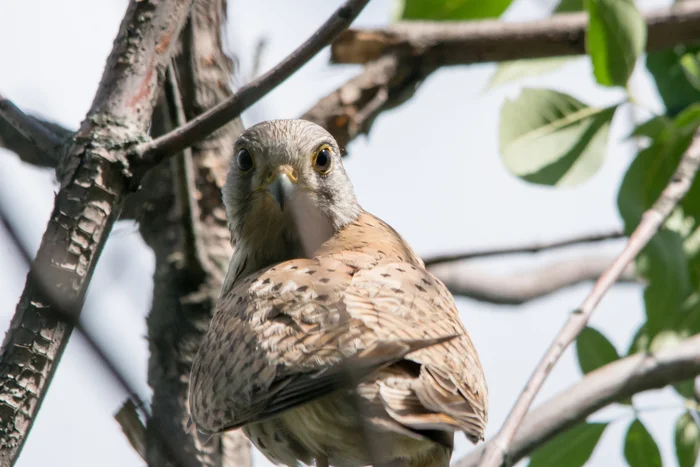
(467, 42)
(521, 287)
(95, 179)
(18, 129)
(182, 218)
(530, 248)
(651, 221)
(135, 432)
(153, 151)
(128, 415)
(613, 382)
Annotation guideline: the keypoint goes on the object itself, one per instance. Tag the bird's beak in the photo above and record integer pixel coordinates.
(281, 184)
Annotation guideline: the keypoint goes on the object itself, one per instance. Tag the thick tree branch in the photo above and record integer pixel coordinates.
(400, 57)
(95, 179)
(462, 43)
(216, 117)
(521, 287)
(613, 382)
(21, 130)
(185, 223)
(652, 220)
(529, 248)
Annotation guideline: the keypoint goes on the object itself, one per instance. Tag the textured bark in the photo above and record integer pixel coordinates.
(184, 221)
(94, 181)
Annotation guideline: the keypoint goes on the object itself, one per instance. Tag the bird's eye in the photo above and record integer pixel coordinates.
(244, 160)
(323, 160)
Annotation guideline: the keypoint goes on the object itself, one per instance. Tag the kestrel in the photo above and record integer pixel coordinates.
(331, 343)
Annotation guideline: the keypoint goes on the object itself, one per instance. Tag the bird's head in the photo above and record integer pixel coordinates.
(287, 188)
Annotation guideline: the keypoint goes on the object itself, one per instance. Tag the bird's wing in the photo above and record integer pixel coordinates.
(402, 301)
(304, 328)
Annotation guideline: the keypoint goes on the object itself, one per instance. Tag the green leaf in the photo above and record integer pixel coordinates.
(671, 80)
(551, 138)
(640, 341)
(518, 69)
(569, 6)
(441, 10)
(616, 37)
(687, 440)
(652, 127)
(691, 68)
(571, 448)
(594, 350)
(640, 448)
(670, 262)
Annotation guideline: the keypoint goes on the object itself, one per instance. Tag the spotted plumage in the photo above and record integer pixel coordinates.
(331, 343)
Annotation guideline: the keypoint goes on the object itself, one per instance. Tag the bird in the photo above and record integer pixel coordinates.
(330, 343)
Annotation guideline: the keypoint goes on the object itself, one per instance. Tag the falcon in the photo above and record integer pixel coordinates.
(331, 344)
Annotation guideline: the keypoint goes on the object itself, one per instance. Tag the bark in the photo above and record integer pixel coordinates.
(93, 183)
(183, 220)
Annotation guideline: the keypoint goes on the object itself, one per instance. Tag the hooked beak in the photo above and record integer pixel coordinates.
(281, 184)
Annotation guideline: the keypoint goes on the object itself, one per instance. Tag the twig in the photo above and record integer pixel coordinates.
(260, 48)
(613, 382)
(133, 428)
(651, 221)
(523, 286)
(531, 248)
(194, 258)
(466, 42)
(152, 152)
(33, 131)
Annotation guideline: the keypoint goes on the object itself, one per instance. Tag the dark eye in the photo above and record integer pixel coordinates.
(244, 160)
(323, 160)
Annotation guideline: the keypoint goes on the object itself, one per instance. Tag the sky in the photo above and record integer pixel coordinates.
(430, 168)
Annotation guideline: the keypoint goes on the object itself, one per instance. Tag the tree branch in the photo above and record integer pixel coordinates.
(466, 42)
(184, 222)
(521, 287)
(202, 125)
(651, 221)
(613, 382)
(530, 248)
(400, 57)
(30, 130)
(95, 179)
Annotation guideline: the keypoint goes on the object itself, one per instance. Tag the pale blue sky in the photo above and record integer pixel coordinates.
(430, 168)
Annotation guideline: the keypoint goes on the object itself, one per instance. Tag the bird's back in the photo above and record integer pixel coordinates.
(285, 339)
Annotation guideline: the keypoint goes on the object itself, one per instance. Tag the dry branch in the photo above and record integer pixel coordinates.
(652, 220)
(93, 187)
(521, 287)
(26, 150)
(462, 43)
(216, 117)
(613, 382)
(31, 130)
(185, 225)
(530, 248)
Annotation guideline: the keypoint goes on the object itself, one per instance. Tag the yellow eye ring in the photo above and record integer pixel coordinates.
(322, 161)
